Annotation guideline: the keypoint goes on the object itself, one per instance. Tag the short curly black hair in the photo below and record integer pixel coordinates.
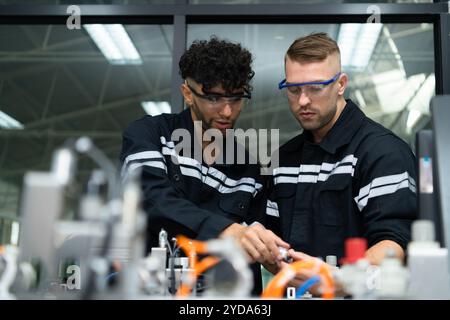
(218, 62)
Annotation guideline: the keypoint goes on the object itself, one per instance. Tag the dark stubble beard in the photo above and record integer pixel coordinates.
(322, 120)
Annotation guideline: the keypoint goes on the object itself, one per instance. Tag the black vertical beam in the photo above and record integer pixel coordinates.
(179, 46)
(442, 53)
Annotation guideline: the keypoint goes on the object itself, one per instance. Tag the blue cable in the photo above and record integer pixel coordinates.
(306, 285)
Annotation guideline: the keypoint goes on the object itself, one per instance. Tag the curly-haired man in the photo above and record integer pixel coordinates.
(203, 198)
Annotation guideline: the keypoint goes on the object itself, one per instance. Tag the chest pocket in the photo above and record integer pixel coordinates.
(285, 190)
(236, 206)
(333, 199)
(284, 195)
(330, 217)
(179, 182)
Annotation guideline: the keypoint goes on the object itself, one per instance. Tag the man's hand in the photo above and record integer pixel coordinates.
(303, 275)
(376, 253)
(259, 243)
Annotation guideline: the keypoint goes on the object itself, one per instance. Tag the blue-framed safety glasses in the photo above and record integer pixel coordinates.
(283, 83)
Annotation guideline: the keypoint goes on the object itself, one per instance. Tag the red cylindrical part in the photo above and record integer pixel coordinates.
(355, 249)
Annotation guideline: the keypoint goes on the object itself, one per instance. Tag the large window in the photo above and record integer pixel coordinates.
(302, 1)
(206, 1)
(69, 2)
(56, 84)
(391, 71)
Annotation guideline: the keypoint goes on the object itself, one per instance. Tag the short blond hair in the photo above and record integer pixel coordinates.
(312, 48)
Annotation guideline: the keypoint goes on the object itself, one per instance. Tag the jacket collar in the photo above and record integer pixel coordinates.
(186, 121)
(348, 123)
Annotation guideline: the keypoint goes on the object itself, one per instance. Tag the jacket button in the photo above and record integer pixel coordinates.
(241, 206)
(176, 177)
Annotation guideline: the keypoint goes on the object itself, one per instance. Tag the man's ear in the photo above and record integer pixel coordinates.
(342, 83)
(187, 94)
